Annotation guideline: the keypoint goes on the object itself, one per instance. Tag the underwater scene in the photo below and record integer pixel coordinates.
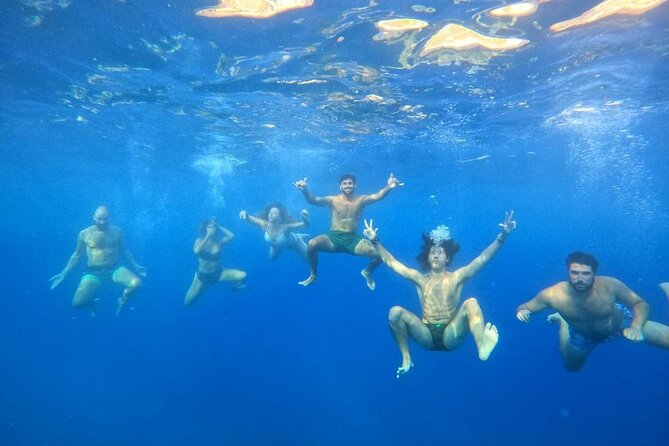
(352, 222)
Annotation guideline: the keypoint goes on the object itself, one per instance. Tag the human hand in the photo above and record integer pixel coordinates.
(393, 182)
(633, 334)
(141, 270)
(304, 214)
(509, 224)
(301, 184)
(524, 315)
(211, 230)
(243, 215)
(55, 280)
(370, 232)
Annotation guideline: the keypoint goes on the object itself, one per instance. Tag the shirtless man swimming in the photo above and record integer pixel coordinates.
(592, 309)
(103, 244)
(444, 325)
(346, 211)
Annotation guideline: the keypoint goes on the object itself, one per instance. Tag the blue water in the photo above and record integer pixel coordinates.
(168, 118)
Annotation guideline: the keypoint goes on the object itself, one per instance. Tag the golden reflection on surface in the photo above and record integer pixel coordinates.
(459, 38)
(520, 9)
(257, 9)
(606, 9)
(394, 25)
(397, 28)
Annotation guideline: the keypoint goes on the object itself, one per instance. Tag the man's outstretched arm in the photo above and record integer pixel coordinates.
(71, 263)
(639, 306)
(380, 195)
(538, 303)
(301, 185)
(508, 225)
(128, 255)
(371, 233)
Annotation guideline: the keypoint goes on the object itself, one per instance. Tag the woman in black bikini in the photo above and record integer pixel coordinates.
(208, 248)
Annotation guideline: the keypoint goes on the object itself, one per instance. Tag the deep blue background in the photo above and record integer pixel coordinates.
(277, 363)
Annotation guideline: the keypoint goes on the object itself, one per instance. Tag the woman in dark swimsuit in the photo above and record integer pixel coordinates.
(208, 248)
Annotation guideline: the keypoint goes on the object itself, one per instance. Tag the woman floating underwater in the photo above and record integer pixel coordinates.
(277, 225)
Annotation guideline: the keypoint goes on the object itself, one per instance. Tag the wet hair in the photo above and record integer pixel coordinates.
(583, 258)
(285, 217)
(450, 247)
(347, 176)
(205, 223)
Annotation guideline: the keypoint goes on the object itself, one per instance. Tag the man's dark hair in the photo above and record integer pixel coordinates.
(450, 247)
(347, 176)
(583, 258)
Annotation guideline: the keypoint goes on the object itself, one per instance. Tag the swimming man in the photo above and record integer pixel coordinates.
(444, 325)
(103, 244)
(346, 211)
(592, 309)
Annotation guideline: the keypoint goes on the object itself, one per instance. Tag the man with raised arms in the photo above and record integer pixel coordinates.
(346, 211)
(444, 325)
(592, 309)
(103, 244)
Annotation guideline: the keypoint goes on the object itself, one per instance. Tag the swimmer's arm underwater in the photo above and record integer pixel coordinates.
(301, 185)
(508, 225)
(244, 215)
(71, 263)
(380, 195)
(408, 273)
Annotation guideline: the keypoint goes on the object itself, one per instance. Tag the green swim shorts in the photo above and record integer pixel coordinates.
(344, 241)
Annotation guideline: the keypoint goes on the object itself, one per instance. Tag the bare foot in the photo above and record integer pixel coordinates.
(308, 281)
(555, 318)
(490, 338)
(665, 288)
(368, 277)
(406, 366)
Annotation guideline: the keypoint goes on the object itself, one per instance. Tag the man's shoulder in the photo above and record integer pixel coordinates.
(87, 230)
(557, 290)
(608, 283)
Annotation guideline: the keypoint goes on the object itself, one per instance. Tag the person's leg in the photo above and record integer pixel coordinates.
(365, 248)
(83, 297)
(665, 288)
(574, 352)
(300, 245)
(130, 282)
(404, 325)
(469, 319)
(194, 291)
(656, 334)
(233, 275)
(318, 243)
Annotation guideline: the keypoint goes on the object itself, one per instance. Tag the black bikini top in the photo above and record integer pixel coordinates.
(206, 255)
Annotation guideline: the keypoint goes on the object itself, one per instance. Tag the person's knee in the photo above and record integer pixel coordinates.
(395, 314)
(572, 361)
(79, 302)
(573, 366)
(134, 283)
(472, 305)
